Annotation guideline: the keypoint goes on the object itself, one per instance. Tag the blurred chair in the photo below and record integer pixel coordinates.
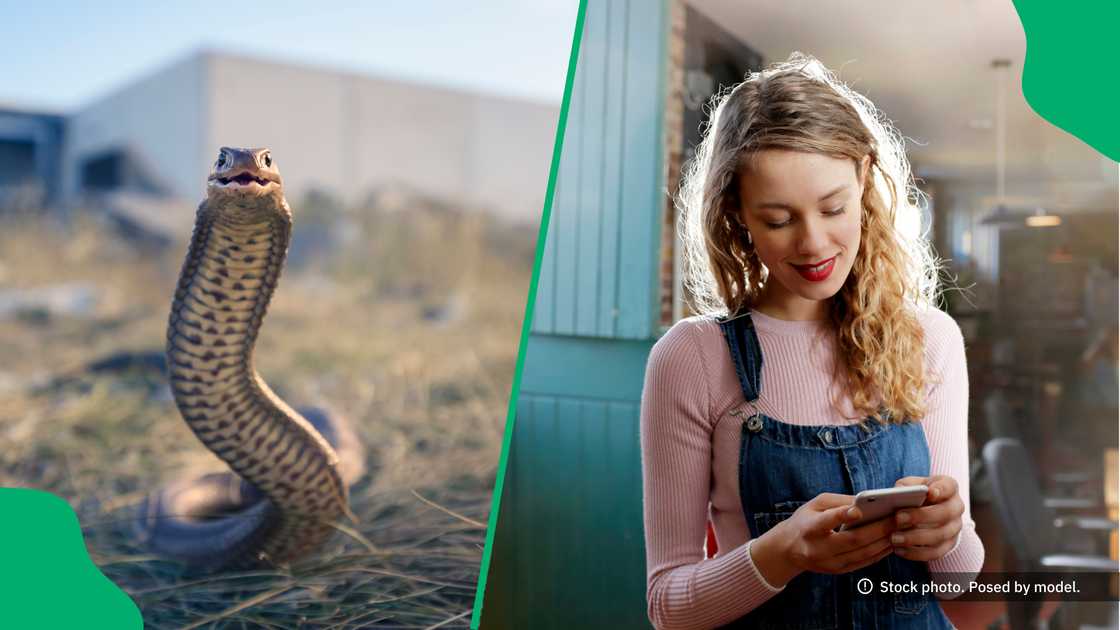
(1031, 528)
(1003, 424)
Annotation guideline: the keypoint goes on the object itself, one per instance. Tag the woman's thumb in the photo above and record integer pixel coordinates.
(837, 516)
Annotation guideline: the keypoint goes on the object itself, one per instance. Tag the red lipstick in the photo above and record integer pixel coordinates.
(817, 272)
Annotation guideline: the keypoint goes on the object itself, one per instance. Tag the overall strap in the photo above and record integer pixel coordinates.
(746, 353)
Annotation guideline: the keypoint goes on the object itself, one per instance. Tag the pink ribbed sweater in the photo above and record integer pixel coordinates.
(690, 449)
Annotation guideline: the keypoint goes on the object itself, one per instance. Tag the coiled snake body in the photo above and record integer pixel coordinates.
(292, 467)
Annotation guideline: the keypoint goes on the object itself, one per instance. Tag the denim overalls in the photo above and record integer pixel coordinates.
(781, 466)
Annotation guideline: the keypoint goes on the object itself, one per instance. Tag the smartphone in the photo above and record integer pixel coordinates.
(881, 503)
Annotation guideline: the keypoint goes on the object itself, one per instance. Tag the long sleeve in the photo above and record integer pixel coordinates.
(946, 429)
(685, 590)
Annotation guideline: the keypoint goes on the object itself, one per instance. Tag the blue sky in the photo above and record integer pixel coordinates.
(63, 55)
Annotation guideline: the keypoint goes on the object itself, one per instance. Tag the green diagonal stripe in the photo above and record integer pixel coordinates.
(527, 323)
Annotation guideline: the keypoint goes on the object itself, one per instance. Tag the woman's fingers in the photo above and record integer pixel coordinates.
(863, 536)
(827, 500)
(830, 519)
(941, 488)
(926, 537)
(912, 481)
(924, 533)
(937, 514)
(929, 532)
(925, 554)
(857, 558)
(873, 560)
(870, 561)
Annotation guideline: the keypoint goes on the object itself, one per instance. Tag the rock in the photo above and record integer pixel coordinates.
(71, 299)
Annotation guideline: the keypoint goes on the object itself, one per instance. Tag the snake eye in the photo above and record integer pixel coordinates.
(267, 159)
(222, 159)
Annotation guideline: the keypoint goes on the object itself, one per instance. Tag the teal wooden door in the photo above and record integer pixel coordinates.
(568, 550)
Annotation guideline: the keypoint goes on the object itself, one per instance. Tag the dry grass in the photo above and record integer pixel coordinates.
(428, 396)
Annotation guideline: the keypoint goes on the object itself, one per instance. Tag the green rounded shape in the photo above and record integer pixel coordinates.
(47, 579)
(1070, 74)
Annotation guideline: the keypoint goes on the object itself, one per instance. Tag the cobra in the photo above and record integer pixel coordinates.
(291, 469)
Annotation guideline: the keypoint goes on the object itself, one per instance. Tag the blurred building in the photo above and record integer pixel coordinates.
(30, 157)
(344, 134)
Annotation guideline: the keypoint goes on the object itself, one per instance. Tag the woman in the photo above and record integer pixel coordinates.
(818, 368)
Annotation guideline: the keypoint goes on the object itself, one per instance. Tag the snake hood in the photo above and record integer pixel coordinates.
(292, 467)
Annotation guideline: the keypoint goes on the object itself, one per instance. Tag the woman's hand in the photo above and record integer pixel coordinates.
(929, 532)
(806, 541)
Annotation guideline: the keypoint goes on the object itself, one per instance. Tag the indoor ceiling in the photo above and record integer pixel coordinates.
(927, 65)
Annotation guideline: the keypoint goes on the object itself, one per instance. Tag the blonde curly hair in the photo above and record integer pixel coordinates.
(799, 105)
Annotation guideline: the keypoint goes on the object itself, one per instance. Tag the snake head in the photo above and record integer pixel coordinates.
(243, 174)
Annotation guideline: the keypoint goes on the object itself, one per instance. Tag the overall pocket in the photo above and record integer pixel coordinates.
(812, 593)
(903, 571)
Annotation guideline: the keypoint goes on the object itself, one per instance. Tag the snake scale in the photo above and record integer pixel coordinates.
(292, 468)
